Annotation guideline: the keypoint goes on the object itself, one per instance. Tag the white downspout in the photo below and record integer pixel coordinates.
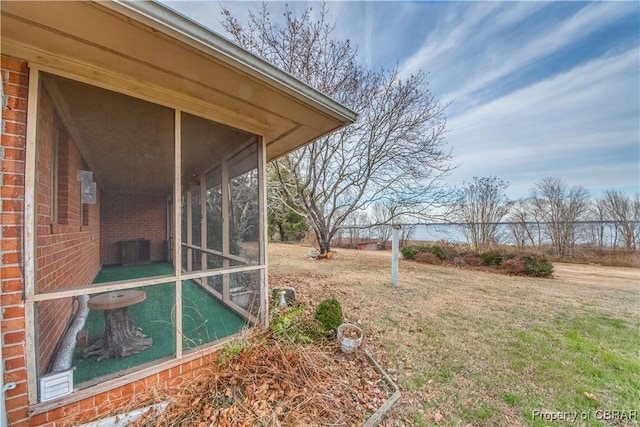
(4, 420)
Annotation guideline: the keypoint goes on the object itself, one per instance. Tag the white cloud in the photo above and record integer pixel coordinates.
(473, 46)
(588, 20)
(461, 27)
(583, 119)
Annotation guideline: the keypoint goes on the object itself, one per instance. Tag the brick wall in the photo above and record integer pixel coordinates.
(15, 79)
(67, 252)
(130, 217)
(133, 395)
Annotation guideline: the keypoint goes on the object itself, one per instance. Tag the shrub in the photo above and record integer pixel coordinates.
(289, 327)
(537, 265)
(427, 258)
(232, 350)
(491, 258)
(509, 255)
(449, 251)
(443, 252)
(514, 266)
(471, 259)
(329, 314)
(438, 251)
(410, 252)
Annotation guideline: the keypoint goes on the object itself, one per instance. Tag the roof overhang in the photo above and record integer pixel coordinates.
(149, 51)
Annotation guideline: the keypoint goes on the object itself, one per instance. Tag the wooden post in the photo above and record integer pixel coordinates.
(395, 254)
(262, 198)
(177, 225)
(189, 221)
(226, 225)
(30, 234)
(203, 224)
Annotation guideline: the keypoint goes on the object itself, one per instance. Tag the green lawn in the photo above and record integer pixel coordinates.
(474, 348)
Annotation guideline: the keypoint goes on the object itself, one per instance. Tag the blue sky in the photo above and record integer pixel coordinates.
(537, 89)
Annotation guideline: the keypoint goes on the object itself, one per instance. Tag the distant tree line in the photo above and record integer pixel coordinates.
(554, 216)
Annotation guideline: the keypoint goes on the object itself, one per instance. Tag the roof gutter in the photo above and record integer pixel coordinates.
(181, 28)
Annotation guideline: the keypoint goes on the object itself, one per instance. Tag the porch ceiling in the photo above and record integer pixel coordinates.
(146, 50)
(128, 142)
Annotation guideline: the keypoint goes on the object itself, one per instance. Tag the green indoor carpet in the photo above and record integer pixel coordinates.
(204, 320)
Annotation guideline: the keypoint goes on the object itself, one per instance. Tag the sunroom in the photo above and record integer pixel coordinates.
(147, 138)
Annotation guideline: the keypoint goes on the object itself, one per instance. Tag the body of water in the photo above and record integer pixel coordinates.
(589, 232)
(435, 232)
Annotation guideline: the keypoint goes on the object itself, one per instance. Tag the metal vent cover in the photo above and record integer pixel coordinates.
(55, 385)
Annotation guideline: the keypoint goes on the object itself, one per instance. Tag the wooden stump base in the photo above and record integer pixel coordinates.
(121, 337)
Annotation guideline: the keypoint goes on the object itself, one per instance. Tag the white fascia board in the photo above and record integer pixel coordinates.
(181, 28)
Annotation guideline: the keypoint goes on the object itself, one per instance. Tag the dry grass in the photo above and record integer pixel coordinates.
(466, 346)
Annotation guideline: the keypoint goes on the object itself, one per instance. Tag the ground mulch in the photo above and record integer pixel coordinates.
(273, 383)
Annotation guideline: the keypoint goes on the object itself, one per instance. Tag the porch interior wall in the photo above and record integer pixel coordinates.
(67, 252)
(132, 217)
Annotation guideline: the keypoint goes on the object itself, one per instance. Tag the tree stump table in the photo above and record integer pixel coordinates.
(121, 337)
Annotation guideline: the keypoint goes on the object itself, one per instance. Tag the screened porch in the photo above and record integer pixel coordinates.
(110, 170)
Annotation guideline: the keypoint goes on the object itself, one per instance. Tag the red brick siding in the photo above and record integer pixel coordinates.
(128, 396)
(67, 253)
(130, 217)
(15, 81)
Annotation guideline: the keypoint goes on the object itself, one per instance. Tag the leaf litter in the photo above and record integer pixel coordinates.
(273, 383)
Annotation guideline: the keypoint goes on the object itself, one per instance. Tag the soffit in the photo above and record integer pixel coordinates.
(128, 143)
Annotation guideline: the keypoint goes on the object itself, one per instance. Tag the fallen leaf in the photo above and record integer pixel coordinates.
(590, 396)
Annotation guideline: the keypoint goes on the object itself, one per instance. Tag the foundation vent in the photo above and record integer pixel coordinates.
(55, 385)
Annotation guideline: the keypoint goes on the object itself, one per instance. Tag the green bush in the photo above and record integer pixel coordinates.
(442, 252)
(232, 350)
(537, 265)
(410, 252)
(509, 255)
(491, 258)
(451, 252)
(438, 251)
(329, 314)
(288, 326)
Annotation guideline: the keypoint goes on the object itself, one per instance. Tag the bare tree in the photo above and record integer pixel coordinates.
(525, 223)
(383, 216)
(624, 211)
(481, 206)
(600, 222)
(395, 151)
(285, 219)
(358, 227)
(244, 206)
(406, 233)
(560, 207)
